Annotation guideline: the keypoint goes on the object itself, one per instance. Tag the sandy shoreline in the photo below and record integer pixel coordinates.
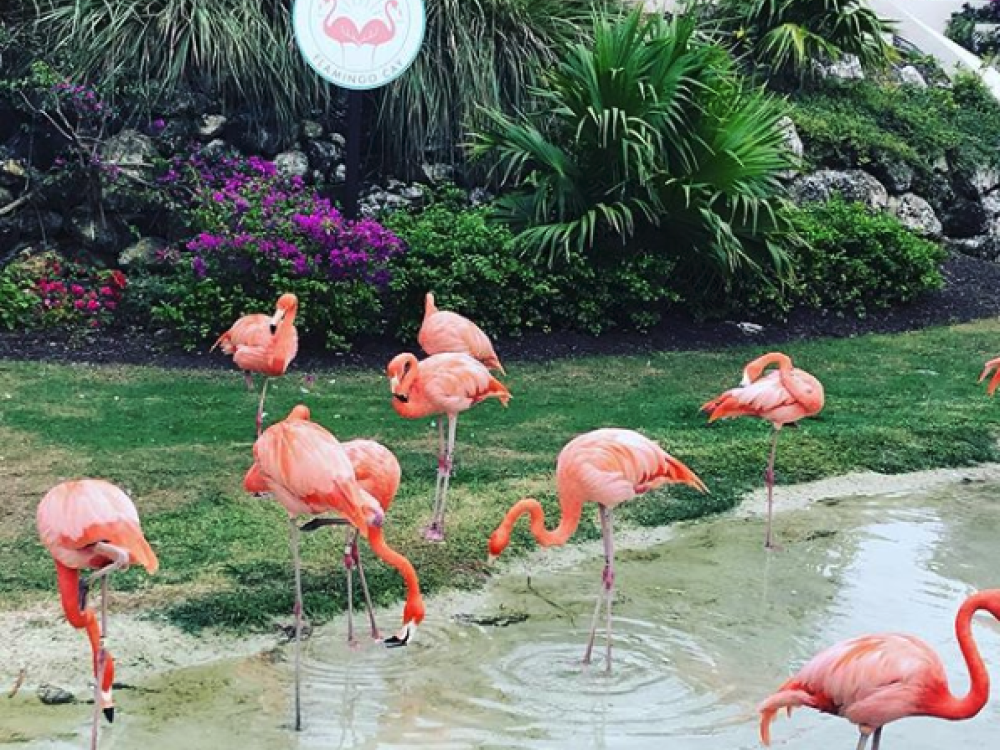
(39, 641)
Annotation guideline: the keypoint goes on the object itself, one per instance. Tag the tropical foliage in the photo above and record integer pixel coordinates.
(962, 27)
(646, 139)
(790, 36)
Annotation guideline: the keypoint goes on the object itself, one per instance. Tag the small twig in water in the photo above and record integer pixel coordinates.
(18, 682)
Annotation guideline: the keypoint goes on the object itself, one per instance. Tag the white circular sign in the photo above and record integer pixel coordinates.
(359, 44)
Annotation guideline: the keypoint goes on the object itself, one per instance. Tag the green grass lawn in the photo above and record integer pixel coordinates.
(180, 442)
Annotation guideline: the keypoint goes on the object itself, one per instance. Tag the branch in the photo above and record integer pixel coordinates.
(12, 207)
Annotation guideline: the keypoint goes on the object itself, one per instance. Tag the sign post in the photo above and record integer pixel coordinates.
(358, 45)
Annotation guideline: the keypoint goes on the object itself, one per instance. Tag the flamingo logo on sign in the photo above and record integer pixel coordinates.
(359, 44)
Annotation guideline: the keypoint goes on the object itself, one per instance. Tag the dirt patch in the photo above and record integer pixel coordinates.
(27, 471)
(969, 294)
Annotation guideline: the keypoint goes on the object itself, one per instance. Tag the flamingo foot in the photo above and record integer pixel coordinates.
(434, 532)
(354, 644)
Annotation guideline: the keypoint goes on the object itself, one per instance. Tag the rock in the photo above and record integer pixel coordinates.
(338, 140)
(340, 174)
(52, 695)
(381, 201)
(143, 253)
(984, 247)
(750, 329)
(312, 130)
(848, 68)
(292, 164)
(175, 136)
(253, 138)
(853, 185)
(412, 193)
(212, 126)
(991, 206)
(985, 179)
(131, 151)
(896, 176)
(965, 218)
(6, 197)
(795, 146)
(324, 155)
(916, 214)
(478, 196)
(93, 232)
(910, 76)
(215, 148)
(13, 172)
(437, 174)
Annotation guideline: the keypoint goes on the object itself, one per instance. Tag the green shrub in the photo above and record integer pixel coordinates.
(789, 36)
(648, 126)
(472, 266)
(851, 261)
(962, 28)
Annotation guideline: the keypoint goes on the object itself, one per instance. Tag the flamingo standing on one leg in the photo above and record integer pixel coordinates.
(782, 397)
(308, 472)
(264, 344)
(443, 384)
(443, 331)
(90, 523)
(876, 679)
(991, 366)
(607, 467)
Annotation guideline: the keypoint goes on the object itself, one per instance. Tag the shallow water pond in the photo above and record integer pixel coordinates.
(705, 626)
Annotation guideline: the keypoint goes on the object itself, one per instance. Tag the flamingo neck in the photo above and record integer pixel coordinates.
(69, 594)
(755, 369)
(429, 307)
(568, 522)
(414, 609)
(948, 706)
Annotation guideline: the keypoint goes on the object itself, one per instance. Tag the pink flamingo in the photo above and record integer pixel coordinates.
(341, 29)
(876, 679)
(783, 396)
(991, 366)
(443, 385)
(445, 331)
(607, 467)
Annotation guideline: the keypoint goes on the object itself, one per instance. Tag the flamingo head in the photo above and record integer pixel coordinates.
(107, 701)
(402, 371)
(413, 615)
(300, 413)
(288, 305)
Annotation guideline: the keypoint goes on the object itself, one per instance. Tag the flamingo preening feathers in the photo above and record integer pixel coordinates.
(442, 384)
(310, 473)
(607, 467)
(445, 332)
(877, 679)
(782, 396)
(265, 344)
(90, 523)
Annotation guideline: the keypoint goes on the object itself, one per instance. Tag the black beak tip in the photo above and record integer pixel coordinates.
(109, 714)
(274, 329)
(395, 642)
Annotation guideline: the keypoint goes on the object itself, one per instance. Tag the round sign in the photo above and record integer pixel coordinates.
(359, 44)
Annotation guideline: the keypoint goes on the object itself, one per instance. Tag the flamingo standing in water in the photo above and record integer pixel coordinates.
(607, 467)
(309, 472)
(443, 331)
(877, 679)
(991, 366)
(781, 397)
(442, 384)
(90, 523)
(263, 344)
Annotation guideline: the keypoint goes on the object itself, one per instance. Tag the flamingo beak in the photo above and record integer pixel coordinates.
(403, 637)
(278, 317)
(109, 714)
(491, 559)
(393, 383)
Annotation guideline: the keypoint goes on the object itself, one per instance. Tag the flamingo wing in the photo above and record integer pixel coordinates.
(871, 681)
(75, 515)
(455, 382)
(376, 469)
(443, 332)
(250, 330)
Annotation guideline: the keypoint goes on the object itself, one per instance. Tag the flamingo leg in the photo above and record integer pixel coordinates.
(99, 667)
(248, 379)
(606, 593)
(769, 478)
(449, 456)
(298, 622)
(430, 533)
(863, 741)
(355, 552)
(260, 407)
(878, 739)
(349, 567)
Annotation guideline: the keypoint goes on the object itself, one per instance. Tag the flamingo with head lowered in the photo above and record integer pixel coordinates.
(877, 679)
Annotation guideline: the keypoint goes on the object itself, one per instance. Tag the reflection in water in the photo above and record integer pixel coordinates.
(707, 626)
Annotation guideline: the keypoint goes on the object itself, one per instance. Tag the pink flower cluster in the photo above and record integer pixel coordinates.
(71, 293)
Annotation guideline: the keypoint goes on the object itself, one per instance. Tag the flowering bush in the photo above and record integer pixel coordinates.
(47, 290)
(256, 234)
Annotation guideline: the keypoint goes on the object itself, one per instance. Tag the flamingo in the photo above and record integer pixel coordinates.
(90, 523)
(341, 29)
(608, 467)
(442, 384)
(443, 331)
(876, 679)
(264, 344)
(993, 364)
(781, 397)
(309, 472)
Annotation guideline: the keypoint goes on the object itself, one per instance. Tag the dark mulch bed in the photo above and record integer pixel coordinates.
(970, 294)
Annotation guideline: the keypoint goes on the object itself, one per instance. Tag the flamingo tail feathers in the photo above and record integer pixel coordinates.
(677, 471)
(725, 406)
(497, 390)
(786, 698)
